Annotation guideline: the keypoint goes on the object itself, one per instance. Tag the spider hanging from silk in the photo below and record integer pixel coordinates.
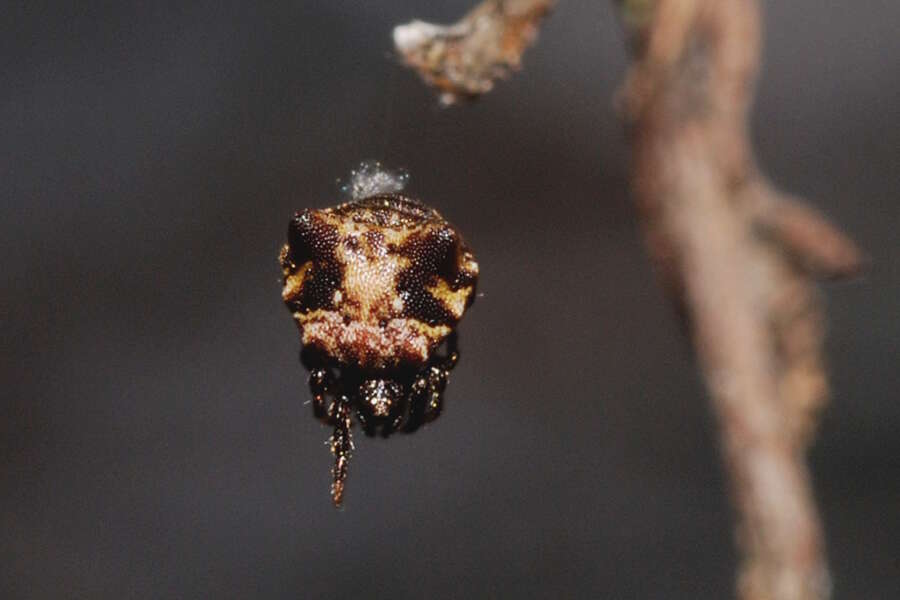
(376, 286)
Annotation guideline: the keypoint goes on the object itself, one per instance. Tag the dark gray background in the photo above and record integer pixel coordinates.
(155, 440)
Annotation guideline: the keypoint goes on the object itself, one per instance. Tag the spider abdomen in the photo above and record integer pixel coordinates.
(378, 282)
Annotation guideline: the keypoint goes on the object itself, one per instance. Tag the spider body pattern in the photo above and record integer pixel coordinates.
(376, 286)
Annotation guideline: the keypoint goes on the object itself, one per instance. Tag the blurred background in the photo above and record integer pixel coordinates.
(156, 436)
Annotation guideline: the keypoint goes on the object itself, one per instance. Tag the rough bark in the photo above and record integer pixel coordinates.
(464, 59)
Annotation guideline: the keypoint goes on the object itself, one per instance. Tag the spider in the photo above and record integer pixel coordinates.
(376, 286)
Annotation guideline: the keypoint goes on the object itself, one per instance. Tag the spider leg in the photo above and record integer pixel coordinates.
(426, 395)
(319, 383)
(398, 415)
(449, 360)
(434, 398)
(367, 423)
(417, 400)
(322, 382)
(437, 377)
(341, 447)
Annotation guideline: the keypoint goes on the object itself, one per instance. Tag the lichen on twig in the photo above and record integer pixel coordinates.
(464, 60)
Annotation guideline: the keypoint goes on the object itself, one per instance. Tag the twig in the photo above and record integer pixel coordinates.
(464, 59)
(739, 258)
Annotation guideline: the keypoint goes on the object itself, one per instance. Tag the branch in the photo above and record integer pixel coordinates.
(741, 256)
(737, 256)
(464, 59)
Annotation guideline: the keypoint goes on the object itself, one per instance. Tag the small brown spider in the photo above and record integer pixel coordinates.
(376, 286)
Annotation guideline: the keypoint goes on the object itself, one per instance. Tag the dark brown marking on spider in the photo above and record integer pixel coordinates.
(427, 256)
(311, 248)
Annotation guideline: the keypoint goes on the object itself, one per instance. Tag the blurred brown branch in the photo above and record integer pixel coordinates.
(738, 256)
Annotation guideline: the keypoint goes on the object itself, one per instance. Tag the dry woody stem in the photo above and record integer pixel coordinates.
(738, 257)
(464, 59)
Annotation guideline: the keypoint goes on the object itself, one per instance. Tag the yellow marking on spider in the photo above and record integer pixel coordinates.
(453, 300)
